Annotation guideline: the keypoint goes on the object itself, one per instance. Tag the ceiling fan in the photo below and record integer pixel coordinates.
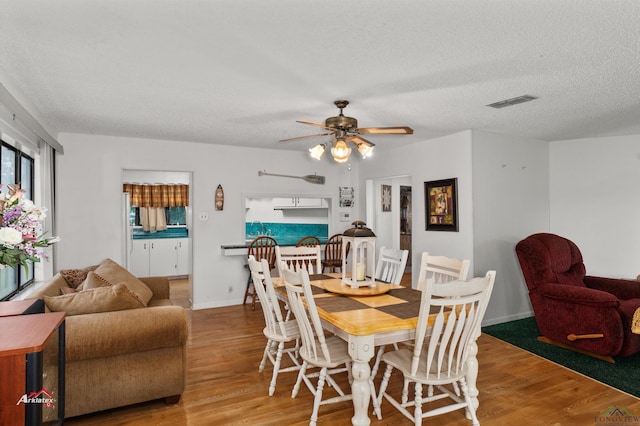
(346, 130)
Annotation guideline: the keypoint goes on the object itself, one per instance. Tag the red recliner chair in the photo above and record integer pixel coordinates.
(591, 315)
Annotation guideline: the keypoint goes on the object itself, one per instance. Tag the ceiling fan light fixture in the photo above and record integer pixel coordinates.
(317, 151)
(341, 151)
(365, 150)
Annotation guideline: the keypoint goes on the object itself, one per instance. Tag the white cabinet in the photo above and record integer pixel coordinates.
(298, 202)
(139, 258)
(183, 256)
(160, 257)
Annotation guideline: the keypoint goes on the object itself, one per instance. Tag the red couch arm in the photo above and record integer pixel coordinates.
(578, 295)
(621, 288)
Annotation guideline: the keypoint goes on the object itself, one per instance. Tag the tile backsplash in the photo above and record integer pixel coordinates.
(286, 233)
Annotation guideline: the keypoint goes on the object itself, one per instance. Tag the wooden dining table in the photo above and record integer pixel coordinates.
(366, 318)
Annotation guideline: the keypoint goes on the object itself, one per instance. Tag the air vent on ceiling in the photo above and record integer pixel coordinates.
(512, 101)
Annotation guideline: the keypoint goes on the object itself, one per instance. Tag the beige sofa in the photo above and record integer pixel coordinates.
(120, 357)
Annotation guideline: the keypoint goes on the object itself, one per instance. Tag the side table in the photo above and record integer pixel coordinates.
(22, 339)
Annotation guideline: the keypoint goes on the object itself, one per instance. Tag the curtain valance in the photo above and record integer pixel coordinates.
(157, 195)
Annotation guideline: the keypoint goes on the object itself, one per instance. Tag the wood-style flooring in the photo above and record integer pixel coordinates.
(224, 386)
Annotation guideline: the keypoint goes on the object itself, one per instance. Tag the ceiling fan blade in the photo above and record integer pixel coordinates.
(311, 123)
(303, 137)
(402, 130)
(359, 139)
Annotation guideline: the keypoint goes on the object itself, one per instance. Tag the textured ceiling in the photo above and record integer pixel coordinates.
(241, 72)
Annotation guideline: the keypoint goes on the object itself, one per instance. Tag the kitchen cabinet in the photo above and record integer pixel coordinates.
(160, 257)
(298, 202)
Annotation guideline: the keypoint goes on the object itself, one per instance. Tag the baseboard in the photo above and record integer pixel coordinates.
(500, 320)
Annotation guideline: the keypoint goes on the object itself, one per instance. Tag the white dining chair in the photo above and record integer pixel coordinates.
(328, 353)
(296, 258)
(278, 331)
(439, 355)
(391, 264)
(389, 268)
(441, 269)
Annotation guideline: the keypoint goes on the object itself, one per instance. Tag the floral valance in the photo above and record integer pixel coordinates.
(157, 195)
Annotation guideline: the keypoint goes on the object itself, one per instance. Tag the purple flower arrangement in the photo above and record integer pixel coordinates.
(20, 229)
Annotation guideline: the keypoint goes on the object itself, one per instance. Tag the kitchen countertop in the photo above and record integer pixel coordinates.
(139, 234)
(235, 249)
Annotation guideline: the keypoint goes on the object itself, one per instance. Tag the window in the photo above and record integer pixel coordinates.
(175, 216)
(17, 168)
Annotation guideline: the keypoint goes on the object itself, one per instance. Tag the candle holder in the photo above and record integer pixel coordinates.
(362, 260)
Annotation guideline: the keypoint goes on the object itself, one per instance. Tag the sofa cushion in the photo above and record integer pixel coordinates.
(75, 277)
(68, 290)
(112, 273)
(102, 299)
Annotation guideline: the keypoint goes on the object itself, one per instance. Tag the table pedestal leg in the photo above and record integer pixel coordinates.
(361, 350)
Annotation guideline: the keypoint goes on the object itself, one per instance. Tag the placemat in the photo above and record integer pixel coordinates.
(339, 304)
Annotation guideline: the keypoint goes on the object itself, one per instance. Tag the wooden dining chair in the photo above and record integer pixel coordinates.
(277, 330)
(328, 353)
(308, 241)
(296, 258)
(440, 351)
(333, 253)
(260, 248)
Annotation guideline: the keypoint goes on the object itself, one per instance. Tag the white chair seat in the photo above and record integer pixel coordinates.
(291, 332)
(338, 349)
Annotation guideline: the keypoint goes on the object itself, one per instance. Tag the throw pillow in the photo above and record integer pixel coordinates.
(94, 280)
(67, 290)
(75, 277)
(102, 299)
(113, 273)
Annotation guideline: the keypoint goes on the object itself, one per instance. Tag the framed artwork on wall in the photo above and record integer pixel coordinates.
(386, 198)
(441, 205)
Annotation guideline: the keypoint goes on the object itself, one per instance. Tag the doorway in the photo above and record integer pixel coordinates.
(405, 221)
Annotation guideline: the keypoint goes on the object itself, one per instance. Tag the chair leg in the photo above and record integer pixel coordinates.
(383, 387)
(471, 409)
(417, 413)
(318, 397)
(264, 356)
(276, 368)
(246, 292)
(301, 373)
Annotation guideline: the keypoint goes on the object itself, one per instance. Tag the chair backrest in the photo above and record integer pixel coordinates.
(442, 348)
(549, 258)
(308, 241)
(314, 345)
(307, 258)
(333, 248)
(264, 248)
(391, 264)
(441, 269)
(261, 275)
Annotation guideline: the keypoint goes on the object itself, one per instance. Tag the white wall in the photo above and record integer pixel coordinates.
(440, 158)
(595, 201)
(510, 202)
(89, 200)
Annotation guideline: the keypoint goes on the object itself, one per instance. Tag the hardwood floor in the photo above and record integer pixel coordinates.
(224, 386)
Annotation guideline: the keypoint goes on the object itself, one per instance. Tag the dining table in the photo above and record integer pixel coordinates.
(367, 317)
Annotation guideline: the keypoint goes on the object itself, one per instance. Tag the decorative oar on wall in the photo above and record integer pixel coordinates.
(318, 180)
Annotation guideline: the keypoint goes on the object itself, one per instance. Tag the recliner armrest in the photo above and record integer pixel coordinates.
(621, 288)
(578, 295)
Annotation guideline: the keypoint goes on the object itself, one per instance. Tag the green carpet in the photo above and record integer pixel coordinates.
(523, 333)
